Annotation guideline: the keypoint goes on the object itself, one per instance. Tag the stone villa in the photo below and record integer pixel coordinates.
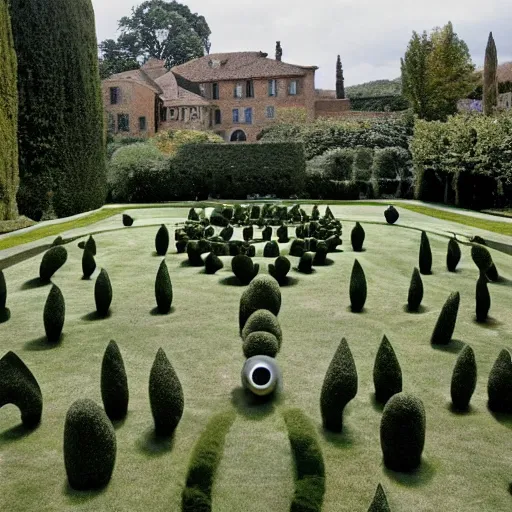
(233, 94)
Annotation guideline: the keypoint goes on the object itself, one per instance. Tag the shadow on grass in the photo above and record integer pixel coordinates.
(156, 312)
(461, 412)
(489, 323)
(501, 417)
(313, 271)
(502, 281)
(119, 423)
(343, 439)
(454, 347)
(421, 476)
(153, 445)
(254, 407)
(34, 283)
(15, 433)
(77, 497)
(421, 309)
(289, 281)
(5, 315)
(94, 316)
(364, 311)
(156, 255)
(377, 406)
(42, 343)
(231, 281)
(358, 252)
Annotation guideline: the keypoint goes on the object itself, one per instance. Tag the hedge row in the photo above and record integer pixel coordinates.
(379, 104)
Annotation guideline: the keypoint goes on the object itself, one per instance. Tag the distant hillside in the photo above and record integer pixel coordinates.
(375, 88)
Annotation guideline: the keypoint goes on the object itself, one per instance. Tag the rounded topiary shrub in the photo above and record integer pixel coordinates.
(260, 343)
(249, 250)
(263, 320)
(453, 255)
(91, 245)
(165, 395)
(333, 242)
(127, 220)
(219, 248)
(463, 379)
(499, 386)
(306, 263)
(162, 240)
(262, 293)
(443, 331)
(266, 233)
(89, 446)
(271, 249)
(380, 502)
(357, 237)
(282, 234)
(209, 231)
(163, 289)
(227, 233)
(298, 247)
(54, 314)
(88, 264)
(218, 219)
(339, 387)
(18, 386)
(244, 268)
(194, 254)
(103, 293)
(279, 269)
(415, 295)
(402, 432)
(212, 263)
(248, 233)
(483, 298)
(320, 257)
(255, 212)
(52, 260)
(181, 245)
(482, 258)
(391, 215)
(114, 383)
(387, 374)
(358, 289)
(425, 255)
(312, 243)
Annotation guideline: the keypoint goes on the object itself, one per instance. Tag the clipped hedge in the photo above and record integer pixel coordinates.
(358, 289)
(415, 295)
(380, 502)
(263, 320)
(499, 385)
(357, 237)
(387, 374)
(453, 255)
(163, 289)
(425, 256)
(244, 268)
(279, 269)
(443, 331)
(54, 314)
(260, 343)
(103, 293)
(53, 259)
(463, 379)
(88, 264)
(114, 383)
(262, 293)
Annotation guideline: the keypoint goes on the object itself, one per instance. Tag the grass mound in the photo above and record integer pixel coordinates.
(415, 291)
(380, 502)
(339, 387)
(387, 374)
(114, 383)
(103, 293)
(453, 255)
(206, 457)
(88, 264)
(263, 320)
(271, 249)
(463, 379)
(260, 343)
(162, 240)
(165, 395)
(89, 446)
(499, 386)
(244, 268)
(18, 386)
(52, 260)
(425, 255)
(163, 289)
(357, 237)
(443, 331)
(54, 314)
(279, 269)
(402, 432)
(483, 298)
(212, 263)
(309, 462)
(358, 290)
(262, 293)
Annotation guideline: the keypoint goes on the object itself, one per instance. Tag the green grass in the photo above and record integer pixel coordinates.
(465, 465)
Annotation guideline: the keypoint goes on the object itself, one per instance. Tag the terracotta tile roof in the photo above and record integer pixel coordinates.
(174, 95)
(139, 76)
(236, 66)
(154, 68)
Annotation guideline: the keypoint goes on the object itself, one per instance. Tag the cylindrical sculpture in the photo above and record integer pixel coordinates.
(261, 375)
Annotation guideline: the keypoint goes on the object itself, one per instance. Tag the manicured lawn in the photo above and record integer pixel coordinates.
(467, 462)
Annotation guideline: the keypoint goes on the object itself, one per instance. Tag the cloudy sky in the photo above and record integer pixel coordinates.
(370, 35)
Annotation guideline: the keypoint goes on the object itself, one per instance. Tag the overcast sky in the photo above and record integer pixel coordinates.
(370, 35)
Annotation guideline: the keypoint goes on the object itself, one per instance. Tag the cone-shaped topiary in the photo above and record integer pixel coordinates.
(52, 260)
(181, 245)
(271, 249)
(260, 343)
(262, 293)
(212, 263)
(162, 240)
(127, 220)
(165, 395)
(333, 242)
(328, 214)
(244, 268)
(114, 383)
(248, 233)
(266, 233)
(339, 387)
(425, 255)
(443, 331)
(227, 233)
(89, 446)
(194, 254)
(483, 299)
(463, 379)
(255, 212)
(492, 273)
(163, 289)
(358, 289)
(402, 432)
(282, 234)
(298, 247)
(320, 254)
(192, 215)
(483, 260)
(499, 386)
(357, 237)
(312, 243)
(453, 255)
(380, 502)
(387, 374)
(263, 320)
(18, 386)
(88, 264)
(415, 291)
(103, 293)
(4, 312)
(391, 215)
(54, 314)
(91, 245)
(315, 213)
(217, 219)
(279, 269)
(306, 263)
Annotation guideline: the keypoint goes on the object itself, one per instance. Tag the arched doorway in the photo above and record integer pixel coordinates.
(238, 136)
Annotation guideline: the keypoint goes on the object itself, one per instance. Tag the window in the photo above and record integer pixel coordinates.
(142, 124)
(248, 115)
(249, 89)
(163, 114)
(114, 95)
(123, 122)
(270, 113)
(111, 123)
(238, 91)
(218, 117)
(293, 87)
(172, 113)
(272, 87)
(215, 91)
(235, 115)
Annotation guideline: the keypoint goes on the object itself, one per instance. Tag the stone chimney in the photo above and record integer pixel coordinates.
(279, 51)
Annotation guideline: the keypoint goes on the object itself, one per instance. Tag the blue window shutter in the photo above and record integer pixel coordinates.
(235, 115)
(248, 115)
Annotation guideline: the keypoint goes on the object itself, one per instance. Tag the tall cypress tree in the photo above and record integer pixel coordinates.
(340, 81)
(490, 92)
(8, 119)
(62, 162)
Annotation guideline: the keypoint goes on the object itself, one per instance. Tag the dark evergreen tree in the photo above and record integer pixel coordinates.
(114, 383)
(88, 264)
(453, 255)
(54, 314)
(162, 240)
(387, 374)
(212, 263)
(483, 299)
(443, 331)
(340, 81)
(464, 379)
(192, 215)
(425, 255)
(306, 263)
(282, 233)
(499, 386)
(163, 289)
(103, 293)
(91, 245)
(320, 254)
(358, 290)
(266, 233)
(53, 259)
(415, 291)
(380, 502)
(490, 90)
(357, 237)
(391, 215)
(127, 220)
(279, 269)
